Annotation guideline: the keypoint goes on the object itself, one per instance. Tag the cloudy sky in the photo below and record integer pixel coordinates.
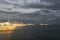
(34, 11)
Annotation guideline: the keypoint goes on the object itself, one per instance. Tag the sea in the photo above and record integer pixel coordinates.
(36, 32)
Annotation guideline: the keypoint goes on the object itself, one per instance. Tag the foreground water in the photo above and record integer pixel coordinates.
(37, 32)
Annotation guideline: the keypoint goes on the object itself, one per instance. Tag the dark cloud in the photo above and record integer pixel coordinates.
(56, 21)
(32, 6)
(54, 1)
(38, 16)
(47, 5)
(5, 2)
(55, 7)
(5, 12)
(45, 15)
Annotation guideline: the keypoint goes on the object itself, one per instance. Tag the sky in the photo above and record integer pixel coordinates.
(34, 11)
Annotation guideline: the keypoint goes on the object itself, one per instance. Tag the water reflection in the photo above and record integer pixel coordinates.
(35, 32)
(7, 28)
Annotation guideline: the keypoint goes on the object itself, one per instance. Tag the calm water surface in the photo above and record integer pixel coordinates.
(32, 33)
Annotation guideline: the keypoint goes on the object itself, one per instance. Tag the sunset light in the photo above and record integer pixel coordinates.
(11, 26)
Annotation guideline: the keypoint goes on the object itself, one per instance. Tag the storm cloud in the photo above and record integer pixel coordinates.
(46, 4)
(35, 11)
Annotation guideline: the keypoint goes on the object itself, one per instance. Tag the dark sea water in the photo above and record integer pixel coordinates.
(37, 32)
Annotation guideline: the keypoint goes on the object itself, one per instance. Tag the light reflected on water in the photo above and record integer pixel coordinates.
(43, 24)
(6, 29)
